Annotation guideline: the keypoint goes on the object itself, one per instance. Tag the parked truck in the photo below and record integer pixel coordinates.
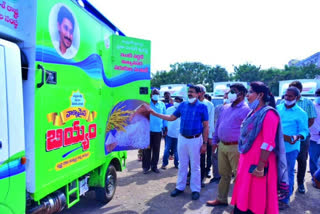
(309, 86)
(70, 87)
(220, 88)
(175, 90)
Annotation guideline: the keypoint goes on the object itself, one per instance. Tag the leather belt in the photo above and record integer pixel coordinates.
(194, 136)
(229, 143)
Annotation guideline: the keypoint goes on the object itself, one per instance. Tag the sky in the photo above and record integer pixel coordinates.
(266, 33)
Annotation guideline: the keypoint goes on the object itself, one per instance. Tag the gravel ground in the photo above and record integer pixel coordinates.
(150, 193)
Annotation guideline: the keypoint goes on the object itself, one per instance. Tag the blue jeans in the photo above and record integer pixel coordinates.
(171, 143)
(314, 152)
(291, 161)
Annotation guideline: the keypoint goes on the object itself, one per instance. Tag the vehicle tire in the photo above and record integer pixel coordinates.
(105, 194)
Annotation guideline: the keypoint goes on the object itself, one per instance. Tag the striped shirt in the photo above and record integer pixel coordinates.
(308, 107)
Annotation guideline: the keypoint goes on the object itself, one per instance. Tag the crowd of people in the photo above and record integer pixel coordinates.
(247, 137)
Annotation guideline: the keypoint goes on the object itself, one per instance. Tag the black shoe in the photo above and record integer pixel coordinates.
(202, 184)
(195, 195)
(146, 171)
(208, 174)
(155, 170)
(176, 192)
(301, 189)
(163, 167)
(215, 180)
(283, 206)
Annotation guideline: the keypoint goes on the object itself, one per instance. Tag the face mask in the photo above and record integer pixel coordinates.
(232, 97)
(289, 103)
(191, 100)
(176, 105)
(226, 101)
(318, 100)
(254, 104)
(155, 97)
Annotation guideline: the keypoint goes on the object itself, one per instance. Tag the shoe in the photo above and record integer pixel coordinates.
(177, 167)
(146, 171)
(155, 170)
(163, 167)
(216, 203)
(202, 184)
(301, 189)
(208, 175)
(283, 206)
(195, 195)
(176, 192)
(215, 180)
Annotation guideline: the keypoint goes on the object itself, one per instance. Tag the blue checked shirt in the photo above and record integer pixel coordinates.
(156, 123)
(192, 116)
(308, 107)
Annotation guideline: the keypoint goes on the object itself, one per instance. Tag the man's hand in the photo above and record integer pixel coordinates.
(214, 147)
(258, 172)
(165, 131)
(203, 149)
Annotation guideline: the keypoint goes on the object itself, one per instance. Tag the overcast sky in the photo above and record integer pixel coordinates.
(219, 32)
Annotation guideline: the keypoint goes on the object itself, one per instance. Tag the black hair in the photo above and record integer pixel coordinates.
(208, 97)
(296, 84)
(196, 88)
(166, 92)
(318, 92)
(65, 13)
(179, 98)
(260, 87)
(240, 88)
(295, 90)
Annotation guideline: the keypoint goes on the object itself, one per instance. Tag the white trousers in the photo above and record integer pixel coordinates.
(189, 149)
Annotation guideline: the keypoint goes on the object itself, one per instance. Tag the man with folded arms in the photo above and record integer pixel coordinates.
(192, 140)
(227, 132)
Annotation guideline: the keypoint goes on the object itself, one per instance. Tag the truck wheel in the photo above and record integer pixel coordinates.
(105, 194)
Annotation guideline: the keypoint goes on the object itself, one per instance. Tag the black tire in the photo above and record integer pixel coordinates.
(106, 194)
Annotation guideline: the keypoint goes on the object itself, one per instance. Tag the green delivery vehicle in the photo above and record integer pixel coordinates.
(72, 88)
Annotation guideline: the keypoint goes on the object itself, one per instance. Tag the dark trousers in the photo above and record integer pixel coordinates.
(150, 156)
(302, 160)
(205, 167)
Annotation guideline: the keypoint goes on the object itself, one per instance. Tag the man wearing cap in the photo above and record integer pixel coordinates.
(227, 132)
(192, 140)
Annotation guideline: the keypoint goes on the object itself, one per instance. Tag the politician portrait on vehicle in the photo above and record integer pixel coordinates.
(64, 31)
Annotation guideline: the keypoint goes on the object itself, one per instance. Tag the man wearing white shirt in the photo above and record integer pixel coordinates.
(205, 168)
(172, 135)
(314, 149)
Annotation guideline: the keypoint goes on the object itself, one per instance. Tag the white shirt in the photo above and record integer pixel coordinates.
(210, 108)
(173, 126)
(315, 128)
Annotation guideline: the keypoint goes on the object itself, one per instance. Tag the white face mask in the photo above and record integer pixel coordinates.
(176, 105)
(289, 103)
(191, 100)
(232, 97)
(155, 97)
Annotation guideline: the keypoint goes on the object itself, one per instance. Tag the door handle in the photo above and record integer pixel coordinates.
(39, 85)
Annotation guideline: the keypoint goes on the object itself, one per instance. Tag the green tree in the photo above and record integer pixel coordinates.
(246, 72)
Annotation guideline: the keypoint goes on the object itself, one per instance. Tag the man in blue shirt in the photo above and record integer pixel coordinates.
(156, 127)
(294, 123)
(309, 108)
(192, 140)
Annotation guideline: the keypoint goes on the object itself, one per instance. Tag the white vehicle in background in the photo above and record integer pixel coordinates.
(175, 90)
(309, 87)
(220, 88)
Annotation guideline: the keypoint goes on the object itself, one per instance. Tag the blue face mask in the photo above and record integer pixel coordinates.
(318, 100)
(254, 104)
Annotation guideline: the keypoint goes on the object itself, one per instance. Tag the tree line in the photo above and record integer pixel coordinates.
(196, 72)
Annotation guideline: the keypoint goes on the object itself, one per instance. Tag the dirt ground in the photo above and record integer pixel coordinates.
(150, 193)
